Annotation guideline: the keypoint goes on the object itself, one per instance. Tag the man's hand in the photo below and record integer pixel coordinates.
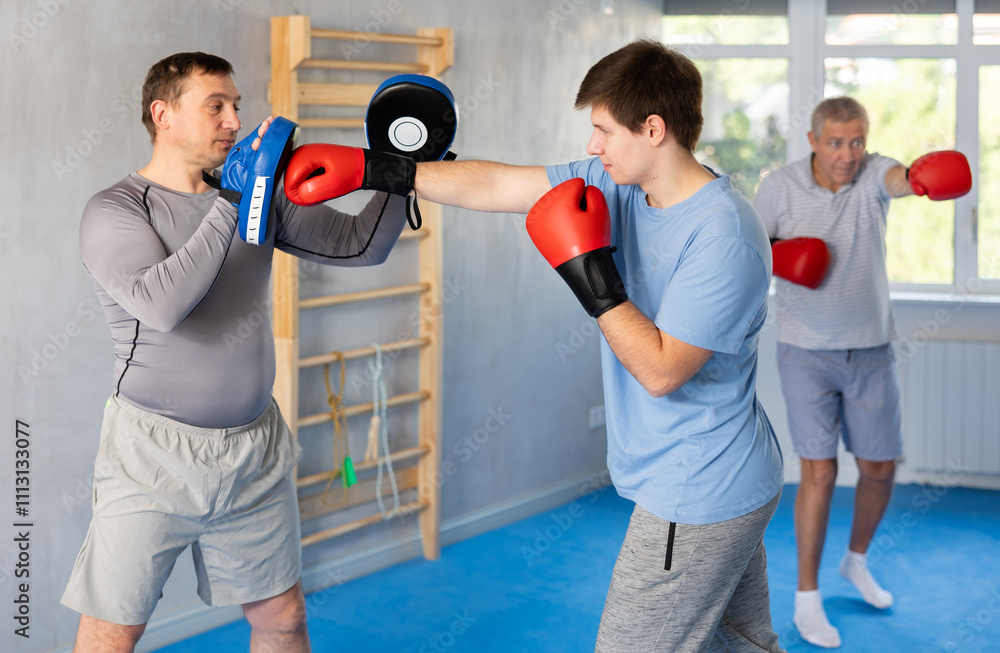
(260, 132)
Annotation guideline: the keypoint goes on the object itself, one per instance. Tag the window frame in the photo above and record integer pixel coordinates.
(806, 52)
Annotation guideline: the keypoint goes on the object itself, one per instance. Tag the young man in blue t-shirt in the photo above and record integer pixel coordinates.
(687, 439)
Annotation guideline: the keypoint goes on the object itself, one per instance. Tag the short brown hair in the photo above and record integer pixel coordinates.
(165, 80)
(837, 109)
(645, 78)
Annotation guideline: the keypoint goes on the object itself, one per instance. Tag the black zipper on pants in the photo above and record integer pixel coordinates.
(670, 546)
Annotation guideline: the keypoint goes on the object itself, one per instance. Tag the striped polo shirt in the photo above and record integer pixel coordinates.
(851, 309)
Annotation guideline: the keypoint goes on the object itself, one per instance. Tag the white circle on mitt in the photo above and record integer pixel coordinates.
(407, 134)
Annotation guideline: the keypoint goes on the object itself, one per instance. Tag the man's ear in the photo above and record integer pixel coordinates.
(655, 129)
(159, 110)
(813, 140)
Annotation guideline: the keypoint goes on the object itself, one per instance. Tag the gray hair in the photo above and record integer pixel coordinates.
(838, 109)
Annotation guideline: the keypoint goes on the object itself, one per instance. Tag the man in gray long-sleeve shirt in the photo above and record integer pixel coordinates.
(193, 449)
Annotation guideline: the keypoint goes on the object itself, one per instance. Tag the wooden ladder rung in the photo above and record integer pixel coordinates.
(295, 48)
(363, 352)
(313, 506)
(361, 409)
(345, 95)
(380, 66)
(332, 123)
(410, 234)
(402, 39)
(365, 465)
(336, 531)
(364, 295)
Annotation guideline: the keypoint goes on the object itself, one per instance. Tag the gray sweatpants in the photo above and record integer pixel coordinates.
(681, 587)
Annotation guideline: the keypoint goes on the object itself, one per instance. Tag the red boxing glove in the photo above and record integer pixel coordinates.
(571, 227)
(942, 175)
(801, 260)
(317, 173)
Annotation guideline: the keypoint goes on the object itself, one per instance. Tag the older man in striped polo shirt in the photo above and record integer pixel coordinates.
(826, 217)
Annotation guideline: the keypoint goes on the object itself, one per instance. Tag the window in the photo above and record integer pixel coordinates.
(891, 22)
(745, 101)
(726, 29)
(725, 22)
(892, 29)
(922, 68)
(911, 104)
(986, 23)
(988, 213)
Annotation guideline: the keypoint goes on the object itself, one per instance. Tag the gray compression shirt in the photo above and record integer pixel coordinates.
(188, 301)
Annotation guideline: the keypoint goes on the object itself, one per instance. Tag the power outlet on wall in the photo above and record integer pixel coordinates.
(595, 416)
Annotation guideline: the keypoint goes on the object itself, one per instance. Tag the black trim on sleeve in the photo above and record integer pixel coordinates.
(364, 249)
(135, 336)
(145, 205)
(135, 339)
(224, 256)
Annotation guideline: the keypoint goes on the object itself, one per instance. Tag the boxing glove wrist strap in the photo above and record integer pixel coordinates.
(389, 172)
(595, 281)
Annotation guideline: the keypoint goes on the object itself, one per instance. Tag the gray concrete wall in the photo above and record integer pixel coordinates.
(516, 342)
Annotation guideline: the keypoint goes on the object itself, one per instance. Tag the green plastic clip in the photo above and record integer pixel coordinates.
(348, 476)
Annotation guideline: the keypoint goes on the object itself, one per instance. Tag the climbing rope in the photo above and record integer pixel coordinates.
(381, 425)
(341, 450)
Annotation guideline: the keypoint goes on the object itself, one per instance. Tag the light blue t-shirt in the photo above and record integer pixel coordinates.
(700, 270)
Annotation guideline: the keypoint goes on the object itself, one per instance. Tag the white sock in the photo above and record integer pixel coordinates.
(810, 619)
(854, 567)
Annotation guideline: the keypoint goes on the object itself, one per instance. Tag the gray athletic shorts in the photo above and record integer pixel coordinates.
(681, 588)
(849, 393)
(161, 485)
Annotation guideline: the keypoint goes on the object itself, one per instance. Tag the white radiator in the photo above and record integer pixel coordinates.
(951, 406)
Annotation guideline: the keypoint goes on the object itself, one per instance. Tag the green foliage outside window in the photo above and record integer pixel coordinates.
(745, 101)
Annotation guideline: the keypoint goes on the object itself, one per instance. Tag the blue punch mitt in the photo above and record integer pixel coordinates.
(249, 177)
